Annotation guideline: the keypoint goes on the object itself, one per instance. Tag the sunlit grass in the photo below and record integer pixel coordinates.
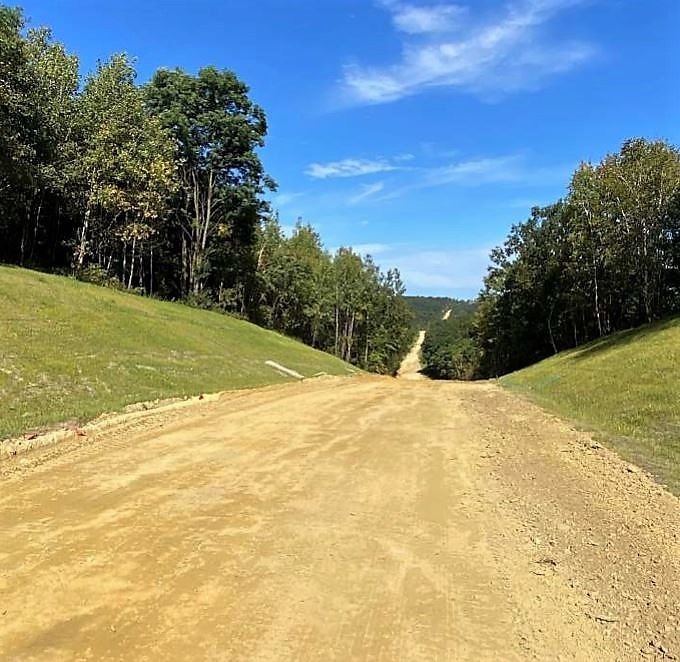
(625, 388)
(70, 351)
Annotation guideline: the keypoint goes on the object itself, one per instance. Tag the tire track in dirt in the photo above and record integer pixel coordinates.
(363, 519)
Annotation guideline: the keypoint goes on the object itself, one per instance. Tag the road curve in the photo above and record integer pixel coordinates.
(338, 519)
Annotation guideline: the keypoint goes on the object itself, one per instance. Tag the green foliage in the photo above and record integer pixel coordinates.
(71, 350)
(625, 387)
(217, 130)
(126, 172)
(604, 259)
(341, 303)
(449, 352)
(431, 309)
(160, 190)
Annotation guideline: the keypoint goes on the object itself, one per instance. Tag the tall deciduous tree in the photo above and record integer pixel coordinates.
(127, 171)
(217, 130)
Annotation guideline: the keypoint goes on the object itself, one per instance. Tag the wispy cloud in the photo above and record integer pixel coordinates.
(367, 191)
(371, 249)
(508, 170)
(349, 168)
(285, 199)
(491, 56)
(443, 272)
(413, 19)
(447, 271)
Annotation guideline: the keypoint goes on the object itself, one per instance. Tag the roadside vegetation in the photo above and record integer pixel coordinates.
(159, 189)
(71, 351)
(449, 350)
(605, 258)
(625, 388)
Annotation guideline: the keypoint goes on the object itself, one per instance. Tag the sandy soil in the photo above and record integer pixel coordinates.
(338, 519)
(410, 367)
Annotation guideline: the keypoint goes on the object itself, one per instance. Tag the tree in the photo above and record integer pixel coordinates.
(17, 123)
(217, 130)
(127, 172)
(605, 259)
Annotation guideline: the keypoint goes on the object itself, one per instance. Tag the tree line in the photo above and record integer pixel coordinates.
(159, 188)
(338, 302)
(427, 310)
(604, 258)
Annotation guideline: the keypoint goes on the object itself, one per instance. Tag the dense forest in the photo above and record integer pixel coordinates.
(449, 350)
(427, 310)
(603, 259)
(159, 189)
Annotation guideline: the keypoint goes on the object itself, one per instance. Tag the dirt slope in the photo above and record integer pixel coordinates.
(341, 519)
(410, 367)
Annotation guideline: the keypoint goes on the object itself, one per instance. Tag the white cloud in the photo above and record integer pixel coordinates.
(285, 199)
(477, 171)
(508, 170)
(349, 168)
(442, 272)
(414, 19)
(495, 56)
(371, 249)
(472, 172)
(367, 191)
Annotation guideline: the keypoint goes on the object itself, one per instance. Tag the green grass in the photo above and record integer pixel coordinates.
(625, 388)
(70, 351)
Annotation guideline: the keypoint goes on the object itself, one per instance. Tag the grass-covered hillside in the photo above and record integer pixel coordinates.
(626, 387)
(70, 351)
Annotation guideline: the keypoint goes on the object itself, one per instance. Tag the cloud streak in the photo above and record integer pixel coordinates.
(349, 168)
(367, 191)
(492, 57)
(447, 271)
(413, 19)
(502, 170)
(444, 271)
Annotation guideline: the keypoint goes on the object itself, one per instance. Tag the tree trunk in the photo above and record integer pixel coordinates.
(597, 301)
(83, 238)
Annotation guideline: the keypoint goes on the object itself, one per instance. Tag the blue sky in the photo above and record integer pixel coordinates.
(416, 131)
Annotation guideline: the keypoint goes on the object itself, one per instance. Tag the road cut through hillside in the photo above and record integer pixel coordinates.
(338, 519)
(411, 366)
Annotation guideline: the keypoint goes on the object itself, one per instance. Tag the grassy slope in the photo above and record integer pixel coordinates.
(69, 350)
(626, 387)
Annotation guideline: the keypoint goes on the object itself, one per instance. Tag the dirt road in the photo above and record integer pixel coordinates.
(338, 519)
(410, 367)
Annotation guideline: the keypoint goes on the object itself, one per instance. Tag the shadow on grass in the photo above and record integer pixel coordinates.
(621, 339)
(656, 454)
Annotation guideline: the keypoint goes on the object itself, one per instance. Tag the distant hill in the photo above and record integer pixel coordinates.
(71, 351)
(624, 387)
(431, 309)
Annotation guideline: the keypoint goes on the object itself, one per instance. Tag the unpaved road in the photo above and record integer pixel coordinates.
(339, 519)
(410, 367)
